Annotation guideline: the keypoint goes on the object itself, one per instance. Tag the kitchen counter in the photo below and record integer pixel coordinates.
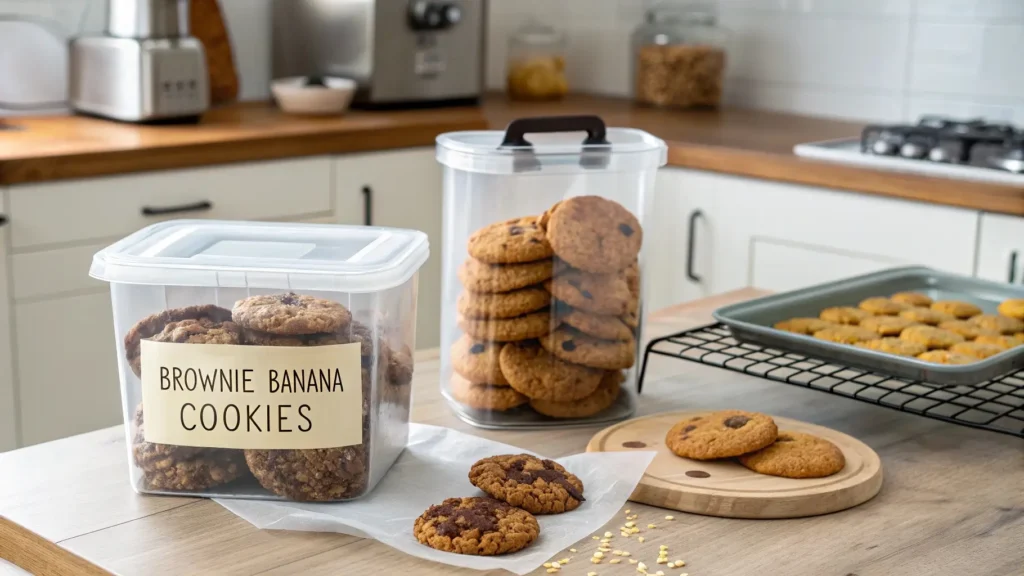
(951, 501)
(751, 143)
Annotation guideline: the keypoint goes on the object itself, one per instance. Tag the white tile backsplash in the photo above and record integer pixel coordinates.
(961, 11)
(968, 59)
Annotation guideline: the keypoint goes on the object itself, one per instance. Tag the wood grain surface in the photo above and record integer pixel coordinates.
(726, 489)
(753, 143)
(951, 502)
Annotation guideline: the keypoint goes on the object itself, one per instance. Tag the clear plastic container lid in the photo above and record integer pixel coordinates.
(212, 253)
(552, 144)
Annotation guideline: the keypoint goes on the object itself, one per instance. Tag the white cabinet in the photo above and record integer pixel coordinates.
(8, 398)
(1001, 248)
(780, 236)
(400, 189)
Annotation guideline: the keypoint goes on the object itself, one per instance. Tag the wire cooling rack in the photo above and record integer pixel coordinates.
(996, 405)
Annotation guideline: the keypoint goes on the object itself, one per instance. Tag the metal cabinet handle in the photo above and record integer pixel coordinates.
(201, 206)
(3, 219)
(1012, 275)
(691, 246)
(367, 206)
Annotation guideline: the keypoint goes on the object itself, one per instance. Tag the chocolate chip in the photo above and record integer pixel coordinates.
(289, 299)
(534, 241)
(697, 474)
(575, 284)
(477, 349)
(586, 294)
(518, 473)
(736, 421)
(480, 516)
(695, 418)
(568, 345)
(515, 230)
(689, 428)
(634, 444)
(626, 230)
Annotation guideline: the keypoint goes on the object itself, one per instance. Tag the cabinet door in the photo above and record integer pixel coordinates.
(1001, 248)
(400, 189)
(781, 267)
(67, 367)
(8, 420)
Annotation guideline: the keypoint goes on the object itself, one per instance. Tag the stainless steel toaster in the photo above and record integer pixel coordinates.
(400, 52)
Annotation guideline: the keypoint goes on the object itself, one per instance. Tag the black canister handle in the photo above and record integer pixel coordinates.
(525, 160)
(367, 206)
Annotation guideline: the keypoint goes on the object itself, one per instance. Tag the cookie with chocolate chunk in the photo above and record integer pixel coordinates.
(314, 475)
(509, 242)
(477, 361)
(605, 294)
(476, 526)
(485, 396)
(600, 400)
(721, 434)
(596, 325)
(154, 324)
(503, 304)
(594, 234)
(483, 277)
(290, 314)
(525, 327)
(539, 486)
(532, 371)
(578, 348)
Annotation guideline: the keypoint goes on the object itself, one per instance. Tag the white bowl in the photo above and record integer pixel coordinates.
(295, 97)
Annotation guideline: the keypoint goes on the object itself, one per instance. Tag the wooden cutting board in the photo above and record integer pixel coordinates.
(727, 489)
(206, 22)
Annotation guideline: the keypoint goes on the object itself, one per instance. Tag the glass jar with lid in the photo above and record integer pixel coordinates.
(536, 63)
(679, 57)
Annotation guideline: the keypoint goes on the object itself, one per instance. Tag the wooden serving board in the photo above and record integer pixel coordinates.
(727, 489)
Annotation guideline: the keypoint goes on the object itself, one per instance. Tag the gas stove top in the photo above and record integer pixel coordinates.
(967, 149)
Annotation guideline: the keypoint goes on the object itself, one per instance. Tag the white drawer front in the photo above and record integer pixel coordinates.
(54, 271)
(108, 208)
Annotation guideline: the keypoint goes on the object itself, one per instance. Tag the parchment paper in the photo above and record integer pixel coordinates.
(434, 467)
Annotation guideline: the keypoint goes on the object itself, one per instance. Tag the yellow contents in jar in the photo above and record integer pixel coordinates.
(537, 78)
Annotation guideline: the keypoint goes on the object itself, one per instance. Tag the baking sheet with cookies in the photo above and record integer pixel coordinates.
(755, 321)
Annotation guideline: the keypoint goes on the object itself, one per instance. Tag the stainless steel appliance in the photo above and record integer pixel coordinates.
(966, 149)
(401, 52)
(145, 69)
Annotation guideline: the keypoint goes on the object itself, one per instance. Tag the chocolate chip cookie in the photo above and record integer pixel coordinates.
(721, 434)
(594, 234)
(485, 396)
(574, 346)
(806, 326)
(504, 304)
(154, 324)
(603, 327)
(931, 337)
(596, 293)
(882, 306)
(796, 455)
(887, 325)
(482, 277)
(477, 526)
(844, 315)
(510, 242)
(315, 475)
(257, 338)
(532, 371)
(290, 314)
(998, 323)
(956, 308)
(526, 327)
(602, 398)
(477, 361)
(539, 486)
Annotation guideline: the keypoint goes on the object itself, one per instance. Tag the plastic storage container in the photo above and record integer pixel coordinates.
(536, 63)
(273, 360)
(679, 57)
(543, 270)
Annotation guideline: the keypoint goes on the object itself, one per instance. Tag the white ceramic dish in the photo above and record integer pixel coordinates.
(295, 96)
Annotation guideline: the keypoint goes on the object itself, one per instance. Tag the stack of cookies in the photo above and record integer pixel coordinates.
(549, 311)
(268, 320)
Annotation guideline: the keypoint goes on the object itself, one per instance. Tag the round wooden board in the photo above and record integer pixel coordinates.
(732, 491)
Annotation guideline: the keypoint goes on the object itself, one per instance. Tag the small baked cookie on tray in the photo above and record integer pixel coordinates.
(915, 299)
(844, 315)
(958, 308)
(882, 306)
(845, 334)
(931, 337)
(887, 325)
(805, 326)
(893, 345)
(926, 316)
(946, 357)
(1014, 308)
(998, 323)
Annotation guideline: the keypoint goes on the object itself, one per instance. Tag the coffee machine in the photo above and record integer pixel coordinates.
(146, 68)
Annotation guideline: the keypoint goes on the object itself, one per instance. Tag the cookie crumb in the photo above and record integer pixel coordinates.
(595, 560)
(659, 573)
(651, 526)
(591, 573)
(632, 561)
(640, 539)
(596, 537)
(615, 560)
(572, 549)
(598, 554)
(563, 561)
(552, 570)
(627, 511)
(630, 524)
(607, 534)
(641, 567)
(670, 517)
(625, 553)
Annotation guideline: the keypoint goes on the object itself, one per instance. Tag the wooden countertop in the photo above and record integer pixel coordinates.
(751, 143)
(951, 502)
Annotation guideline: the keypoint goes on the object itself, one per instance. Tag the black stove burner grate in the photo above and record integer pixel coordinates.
(996, 405)
(938, 139)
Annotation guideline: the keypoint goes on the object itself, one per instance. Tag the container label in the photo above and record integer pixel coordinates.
(262, 397)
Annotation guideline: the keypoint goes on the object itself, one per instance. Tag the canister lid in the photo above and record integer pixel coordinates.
(490, 151)
(212, 253)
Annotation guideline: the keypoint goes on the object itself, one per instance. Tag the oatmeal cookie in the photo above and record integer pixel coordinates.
(1013, 308)
(998, 323)
(721, 434)
(477, 526)
(945, 357)
(882, 306)
(915, 299)
(926, 316)
(844, 315)
(483, 277)
(965, 328)
(526, 327)
(887, 325)
(205, 470)
(311, 475)
(578, 348)
(534, 372)
(477, 361)
(595, 293)
(594, 234)
(154, 324)
(290, 314)
(510, 242)
(805, 326)
(956, 308)
(1003, 341)
(976, 349)
(485, 396)
(796, 455)
(603, 327)
(502, 304)
(893, 345)
(846, 334)
(602, 398)
(539, 486)
(931, 337)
